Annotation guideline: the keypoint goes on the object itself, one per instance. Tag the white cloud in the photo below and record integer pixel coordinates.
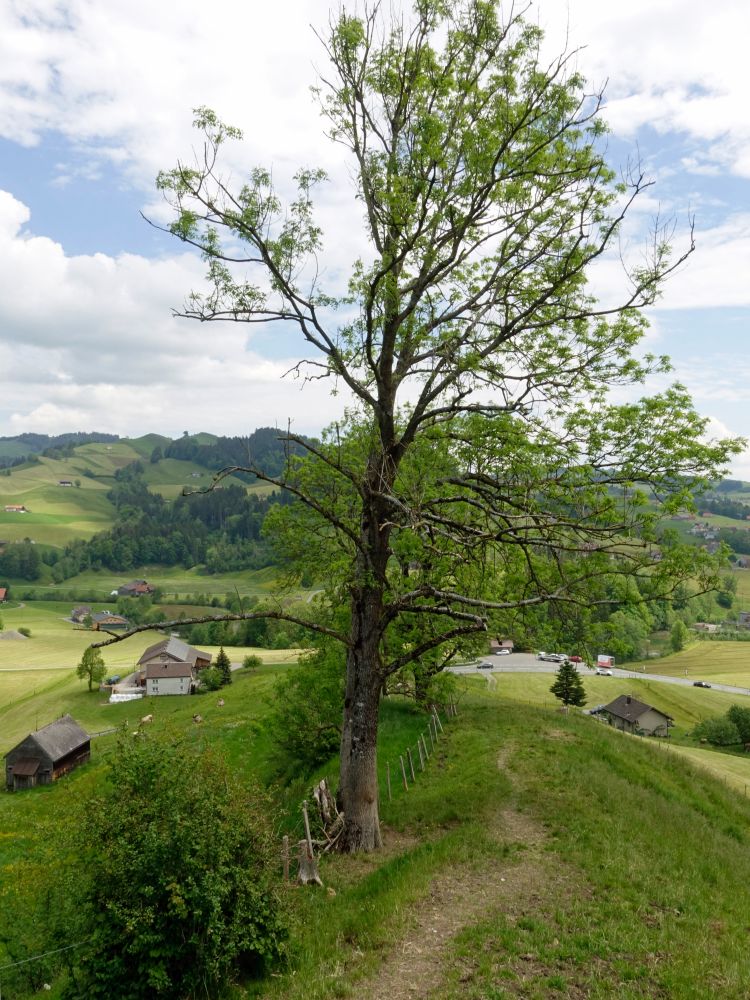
(89, 341)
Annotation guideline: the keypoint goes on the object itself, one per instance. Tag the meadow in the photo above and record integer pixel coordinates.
(539, 855)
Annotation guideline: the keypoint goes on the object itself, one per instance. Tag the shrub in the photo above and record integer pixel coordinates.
(252, 661)
(721, 732)
(25, 631)
(174, 881)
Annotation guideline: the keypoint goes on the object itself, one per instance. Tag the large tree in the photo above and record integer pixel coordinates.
(482, 468)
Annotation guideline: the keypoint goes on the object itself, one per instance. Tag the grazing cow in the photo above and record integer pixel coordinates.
(147, 718)
(220, 703)
(197, 718)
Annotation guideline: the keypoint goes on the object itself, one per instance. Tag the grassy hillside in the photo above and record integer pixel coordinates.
(539, 855)
(723, 662)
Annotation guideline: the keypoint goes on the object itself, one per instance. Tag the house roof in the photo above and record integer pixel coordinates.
(155, 671)
(59, 738)
(630, 709)
(176, 649)
(108, 616)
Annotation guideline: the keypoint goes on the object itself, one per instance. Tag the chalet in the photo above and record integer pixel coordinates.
(498, 644)
(706, 627)
(174, 650)
(77, 615)
(632, 716)
(136, 588)
(64, 482)
(46, 755)
(170, 677)
(16, 508)
(107, 621)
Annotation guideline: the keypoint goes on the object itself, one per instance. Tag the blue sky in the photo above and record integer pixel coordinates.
(96, 97)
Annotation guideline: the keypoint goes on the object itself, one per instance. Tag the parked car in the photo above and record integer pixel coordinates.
(552, 657)
(114, 679)
(576, 659)
(604, 672)
(701, 684)
(502, 652)
(483, 665)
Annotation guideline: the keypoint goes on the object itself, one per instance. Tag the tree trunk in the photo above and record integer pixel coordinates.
(358, 786)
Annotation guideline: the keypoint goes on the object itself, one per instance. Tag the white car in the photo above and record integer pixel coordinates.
(502, 652)
(604, 672)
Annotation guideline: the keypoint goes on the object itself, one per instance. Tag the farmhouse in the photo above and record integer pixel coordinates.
(16, 508)
(632, 716)
(78, 614)
(175, 651)
(136, 588)
(3, 595)
(64, 482)
(46, 755)
(168, 678)
(497, 644)
(106, 620)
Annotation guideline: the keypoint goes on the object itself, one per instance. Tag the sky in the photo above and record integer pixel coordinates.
(97, 96)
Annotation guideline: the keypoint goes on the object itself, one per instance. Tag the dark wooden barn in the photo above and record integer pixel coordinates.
(46, 755)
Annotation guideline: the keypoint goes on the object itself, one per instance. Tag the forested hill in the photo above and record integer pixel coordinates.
(262, 448)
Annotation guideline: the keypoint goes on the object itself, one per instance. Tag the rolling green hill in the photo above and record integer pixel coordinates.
(537, 856)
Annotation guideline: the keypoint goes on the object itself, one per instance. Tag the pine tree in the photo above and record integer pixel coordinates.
(224, 667)
(568, 686)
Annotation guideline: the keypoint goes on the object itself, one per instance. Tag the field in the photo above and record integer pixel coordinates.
(37, 675)
(174, 580)
(711, 660)
(538, 856)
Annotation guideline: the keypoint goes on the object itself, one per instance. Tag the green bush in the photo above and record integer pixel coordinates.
(721, 732)
(25, 631)
(174, 879)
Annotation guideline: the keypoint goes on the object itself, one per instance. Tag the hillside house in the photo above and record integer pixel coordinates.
(498, 644)
(632, 716)
(77, 615)
(108, 621)
(170, 677)
(3, 595)
(174, 650)
(136, 588)
(64, 482)
(46, 755)
(16, 508)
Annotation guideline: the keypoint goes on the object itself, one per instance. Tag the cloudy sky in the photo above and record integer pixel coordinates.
(96, 96)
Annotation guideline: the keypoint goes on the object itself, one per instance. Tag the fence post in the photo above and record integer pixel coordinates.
(285, 856)
(403, 772)
(388, 779)
(426, 751)
(437, 719)
(421, 755)
(429, 730)
(411, 764)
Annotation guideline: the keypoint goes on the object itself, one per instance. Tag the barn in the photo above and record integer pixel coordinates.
(46, 755)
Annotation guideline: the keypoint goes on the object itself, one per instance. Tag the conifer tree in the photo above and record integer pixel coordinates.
(568, 686)
(224, 667)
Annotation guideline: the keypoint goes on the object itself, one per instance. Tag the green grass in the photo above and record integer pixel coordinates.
(641, 855)
(724, 662)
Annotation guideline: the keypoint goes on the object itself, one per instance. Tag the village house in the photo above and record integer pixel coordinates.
(136, 588)
(16, 508)
(174, 650)
(632, 716)
(77, 615)
(64, 482)
(170, 677)
(497, 644)
(46, 755)
(107, 620)
(3, 595)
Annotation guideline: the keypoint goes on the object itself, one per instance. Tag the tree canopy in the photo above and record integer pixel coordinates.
(483, 468)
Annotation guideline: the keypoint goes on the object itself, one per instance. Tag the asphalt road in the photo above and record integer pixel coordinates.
(527, 663)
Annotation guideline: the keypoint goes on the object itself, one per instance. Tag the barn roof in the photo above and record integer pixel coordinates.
(59, 738)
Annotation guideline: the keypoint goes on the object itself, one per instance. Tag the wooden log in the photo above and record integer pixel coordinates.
(308, 867)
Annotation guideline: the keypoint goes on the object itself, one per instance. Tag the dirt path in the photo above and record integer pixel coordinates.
(461, 898)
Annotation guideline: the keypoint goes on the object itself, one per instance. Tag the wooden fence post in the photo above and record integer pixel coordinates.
(437, 719)
(411, 764)
(388, 779)
(285, 856)
(403, 772)
(421, 755)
